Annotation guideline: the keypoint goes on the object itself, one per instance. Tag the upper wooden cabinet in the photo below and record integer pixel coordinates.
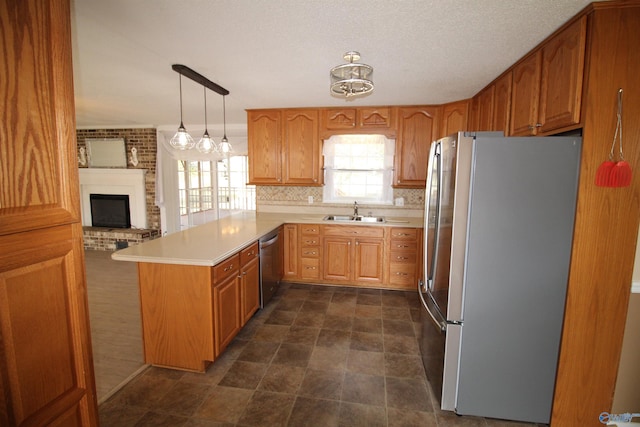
(264, 130)
(284, 147)
(455, 117)
(491, 107)
(417, 128)
(547, 84)
(483, 111)
(302, 150)
(358, 119)
(501, 104)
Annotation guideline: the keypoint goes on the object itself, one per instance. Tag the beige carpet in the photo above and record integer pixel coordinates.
(116, 330)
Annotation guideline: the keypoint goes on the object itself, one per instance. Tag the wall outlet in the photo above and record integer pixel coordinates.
(399, 201)
(310, 200)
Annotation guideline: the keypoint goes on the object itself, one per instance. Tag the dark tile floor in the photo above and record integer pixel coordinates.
(316, 356)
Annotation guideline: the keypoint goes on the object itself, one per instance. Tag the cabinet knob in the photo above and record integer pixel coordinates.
(399, 273)
(401, 257)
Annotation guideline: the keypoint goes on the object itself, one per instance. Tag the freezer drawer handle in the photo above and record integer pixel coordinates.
(440, 325)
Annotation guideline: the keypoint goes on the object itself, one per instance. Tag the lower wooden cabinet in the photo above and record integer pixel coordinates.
(353, 254)
(309, 258)
(226, 302)
(405, 257)
(191, 313)
(249, 282)
(290, 252)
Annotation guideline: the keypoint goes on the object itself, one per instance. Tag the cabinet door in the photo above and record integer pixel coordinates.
(455, 117)
(290, 253)
(46, 370)
(502, 104)
(264, 146)
(337, 258)
(374, 118)
(302, 154)
(339, 118)
(417, 128)
(524, 96)
(226, 297)
(368, 259)
(178, 321)
(485, 109)
(250, 287)
(561, 79)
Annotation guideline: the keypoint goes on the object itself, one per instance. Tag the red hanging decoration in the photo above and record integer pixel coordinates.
(615, 173)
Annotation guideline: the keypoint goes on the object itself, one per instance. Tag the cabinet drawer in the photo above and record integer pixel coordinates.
(313, 229)
(402, 274)
(403, 245)
(309, 268)
(309, 240)
(402, 257)
(310, 252)
(249, 253)
(351, 231)
(398, 233)
(226, 268)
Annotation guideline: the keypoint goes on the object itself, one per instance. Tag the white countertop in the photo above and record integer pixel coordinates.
(211, 243)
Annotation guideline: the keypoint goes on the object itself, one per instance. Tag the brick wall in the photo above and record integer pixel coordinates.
(145, 141)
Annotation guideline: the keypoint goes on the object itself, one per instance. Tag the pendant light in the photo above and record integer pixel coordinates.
(182, 140)
(206, 145)
(225, 147)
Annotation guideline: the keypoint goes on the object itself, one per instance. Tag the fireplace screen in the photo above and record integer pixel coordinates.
(110, 210)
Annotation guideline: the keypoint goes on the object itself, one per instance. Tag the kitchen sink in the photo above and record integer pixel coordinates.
(353, 218)
(370, 218)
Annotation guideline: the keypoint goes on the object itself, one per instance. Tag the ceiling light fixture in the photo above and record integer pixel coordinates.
(182, 140)
(206, 145)
(225, 147)
(351, 79)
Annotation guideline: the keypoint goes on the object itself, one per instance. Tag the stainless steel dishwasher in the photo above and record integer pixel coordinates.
(270, 264)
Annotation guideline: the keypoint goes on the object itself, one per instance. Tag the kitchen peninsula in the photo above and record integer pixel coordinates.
(200, 286)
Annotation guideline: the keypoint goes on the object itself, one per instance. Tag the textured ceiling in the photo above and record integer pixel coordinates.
(277, 53)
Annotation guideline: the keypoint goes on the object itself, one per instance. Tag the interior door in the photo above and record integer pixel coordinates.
(46, 369)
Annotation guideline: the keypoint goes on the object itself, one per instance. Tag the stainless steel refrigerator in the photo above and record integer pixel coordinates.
(499, 215)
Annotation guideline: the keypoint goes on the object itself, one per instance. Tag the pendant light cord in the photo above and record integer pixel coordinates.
(181, 122)
(205, 110)
(224, 116)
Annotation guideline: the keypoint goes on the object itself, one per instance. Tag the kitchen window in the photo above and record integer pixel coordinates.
(358, 168)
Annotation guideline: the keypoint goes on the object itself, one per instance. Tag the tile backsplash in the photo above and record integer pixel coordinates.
(296, 199)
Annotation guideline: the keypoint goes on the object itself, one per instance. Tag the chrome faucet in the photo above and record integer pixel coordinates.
(355, 208)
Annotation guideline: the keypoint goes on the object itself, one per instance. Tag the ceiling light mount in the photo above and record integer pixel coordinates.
(351, 79)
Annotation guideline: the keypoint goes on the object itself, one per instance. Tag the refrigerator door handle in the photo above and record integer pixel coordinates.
(442, 325)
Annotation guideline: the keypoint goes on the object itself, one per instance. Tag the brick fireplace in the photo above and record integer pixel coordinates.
(125, 182)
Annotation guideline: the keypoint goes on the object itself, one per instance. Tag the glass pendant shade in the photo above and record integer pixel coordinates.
(225, 146)
(351, 79)
(206, 145)
(182, 140)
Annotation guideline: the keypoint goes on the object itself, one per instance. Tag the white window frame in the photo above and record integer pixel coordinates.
(358, 168)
